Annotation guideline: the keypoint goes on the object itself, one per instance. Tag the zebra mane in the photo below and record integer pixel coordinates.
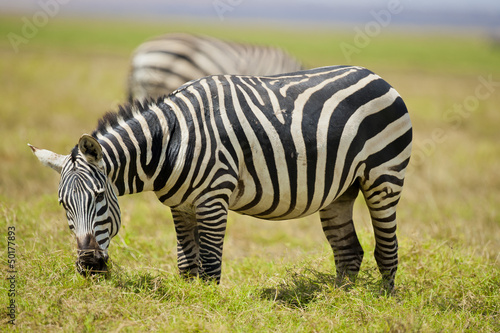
(125, 111)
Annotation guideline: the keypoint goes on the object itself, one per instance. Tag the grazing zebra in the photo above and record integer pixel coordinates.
(161, 65)
(276, 147)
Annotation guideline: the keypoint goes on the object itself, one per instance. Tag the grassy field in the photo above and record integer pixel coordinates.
(277, 276)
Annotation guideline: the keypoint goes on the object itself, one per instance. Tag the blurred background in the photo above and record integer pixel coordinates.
(482, 14)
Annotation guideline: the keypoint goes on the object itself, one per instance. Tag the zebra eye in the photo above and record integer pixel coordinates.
(61, 203)
(99, 196)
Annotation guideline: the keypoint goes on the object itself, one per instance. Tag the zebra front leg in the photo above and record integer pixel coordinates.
(212, 221)
(336, 220)
(188, 249)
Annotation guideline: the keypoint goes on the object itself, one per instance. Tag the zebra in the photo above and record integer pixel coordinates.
(161, 65)
(274, 147)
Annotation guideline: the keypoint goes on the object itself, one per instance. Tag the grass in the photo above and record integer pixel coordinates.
(277, 276)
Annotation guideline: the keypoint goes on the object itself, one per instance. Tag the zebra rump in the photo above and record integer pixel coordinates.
(274, 147)
(161, 65)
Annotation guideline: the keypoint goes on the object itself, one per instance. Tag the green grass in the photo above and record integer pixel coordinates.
(277, 276)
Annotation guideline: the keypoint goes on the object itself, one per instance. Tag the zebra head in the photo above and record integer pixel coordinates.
(89, 199)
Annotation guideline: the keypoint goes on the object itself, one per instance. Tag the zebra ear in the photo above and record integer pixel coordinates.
(91, 149)
(48, 158)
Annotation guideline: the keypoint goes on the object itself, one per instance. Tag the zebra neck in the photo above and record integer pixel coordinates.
(136, 148)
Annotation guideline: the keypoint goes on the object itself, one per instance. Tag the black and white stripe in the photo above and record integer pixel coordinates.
(161, 65)
(276, 147)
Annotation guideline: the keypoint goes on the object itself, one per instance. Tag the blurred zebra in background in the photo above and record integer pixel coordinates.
(163, 64)
(274, 147)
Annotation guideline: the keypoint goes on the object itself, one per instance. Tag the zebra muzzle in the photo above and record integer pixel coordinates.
(92, 259)
(92, 262)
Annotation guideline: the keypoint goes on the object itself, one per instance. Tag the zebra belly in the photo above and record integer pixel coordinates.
(277, 195)
(283, 211)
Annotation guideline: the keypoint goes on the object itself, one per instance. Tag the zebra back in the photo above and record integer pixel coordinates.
(161, 65)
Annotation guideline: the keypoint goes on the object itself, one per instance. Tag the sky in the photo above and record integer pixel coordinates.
(464, 13)
(461, 5)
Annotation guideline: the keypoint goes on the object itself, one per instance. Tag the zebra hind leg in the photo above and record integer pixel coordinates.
(212, 221)
(338, 226)
(382, 196)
